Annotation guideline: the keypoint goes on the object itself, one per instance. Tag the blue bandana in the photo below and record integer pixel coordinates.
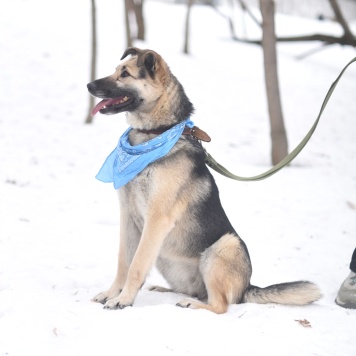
(126, 161)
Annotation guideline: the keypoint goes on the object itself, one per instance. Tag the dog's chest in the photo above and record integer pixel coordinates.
(135, 196)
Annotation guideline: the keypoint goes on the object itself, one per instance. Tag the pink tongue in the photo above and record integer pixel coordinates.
(101, 104)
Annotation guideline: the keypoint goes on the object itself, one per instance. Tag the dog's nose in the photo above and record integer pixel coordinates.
(91, 86)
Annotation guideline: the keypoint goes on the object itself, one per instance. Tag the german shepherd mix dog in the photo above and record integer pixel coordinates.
(171, 214)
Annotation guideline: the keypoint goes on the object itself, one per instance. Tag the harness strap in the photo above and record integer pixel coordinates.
(210, 161)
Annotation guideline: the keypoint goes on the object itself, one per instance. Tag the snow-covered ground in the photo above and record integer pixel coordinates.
(59, 226)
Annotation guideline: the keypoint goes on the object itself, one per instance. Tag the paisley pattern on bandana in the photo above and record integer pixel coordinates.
(126, 161)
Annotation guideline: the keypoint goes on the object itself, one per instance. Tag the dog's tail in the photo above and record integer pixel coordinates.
(291, 293)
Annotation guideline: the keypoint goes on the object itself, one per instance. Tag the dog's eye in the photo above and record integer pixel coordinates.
(124, 74)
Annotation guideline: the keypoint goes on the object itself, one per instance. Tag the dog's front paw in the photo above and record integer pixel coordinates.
(116, 303)
(101, 297)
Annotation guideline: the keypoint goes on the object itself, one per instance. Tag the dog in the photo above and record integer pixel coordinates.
(170, 213)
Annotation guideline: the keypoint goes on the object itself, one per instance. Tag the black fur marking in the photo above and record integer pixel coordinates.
(128, 51)
(209, 211)
(106, 88)
(184, 108)
(142, 73)
(214, 222)
(104, 301)
(150, 64)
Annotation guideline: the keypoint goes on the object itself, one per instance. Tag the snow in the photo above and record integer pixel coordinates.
(59, 226)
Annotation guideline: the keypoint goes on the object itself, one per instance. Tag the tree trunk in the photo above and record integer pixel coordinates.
(278, 133)
(134, 11)
(128, 8)
(89, 118)
(138, 8)
(187, 27)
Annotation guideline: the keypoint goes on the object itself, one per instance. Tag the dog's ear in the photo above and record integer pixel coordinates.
(150, 60)
(131, 50)
(146, 58)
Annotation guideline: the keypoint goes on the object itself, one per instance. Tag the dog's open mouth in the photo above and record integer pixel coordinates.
(111, 103)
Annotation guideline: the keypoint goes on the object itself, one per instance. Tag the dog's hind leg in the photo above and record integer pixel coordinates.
(217, 303)
(226, 270)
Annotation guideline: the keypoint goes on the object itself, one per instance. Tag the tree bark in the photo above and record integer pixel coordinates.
(187, 27)
(138, 8)
(128, 7)
(89, 118)
(134, 10)
(340, 18)
(278, 133)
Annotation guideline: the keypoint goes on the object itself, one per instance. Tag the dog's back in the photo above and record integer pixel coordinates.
(171, 214)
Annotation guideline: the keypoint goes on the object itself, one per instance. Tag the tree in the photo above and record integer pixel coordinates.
(346, 39)
(268, 42)
(187, 27)
(128, 4)
(134, 10)
(278, 133)
(140, 22)
(89, 118)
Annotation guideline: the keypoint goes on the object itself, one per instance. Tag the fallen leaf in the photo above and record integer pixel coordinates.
(305, 323)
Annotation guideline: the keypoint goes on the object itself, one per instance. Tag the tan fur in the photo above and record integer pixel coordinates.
(171, 215)
(157, 92)
(221, 265)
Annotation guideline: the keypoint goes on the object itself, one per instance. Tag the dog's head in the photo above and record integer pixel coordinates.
(136, 84)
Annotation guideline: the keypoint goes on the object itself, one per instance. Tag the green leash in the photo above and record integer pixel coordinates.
(210, 161)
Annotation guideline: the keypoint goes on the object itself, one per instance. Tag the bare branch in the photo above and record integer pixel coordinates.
(340, 18)
(249, 12)
(350, 41)
(347, 39)
(228, 18)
